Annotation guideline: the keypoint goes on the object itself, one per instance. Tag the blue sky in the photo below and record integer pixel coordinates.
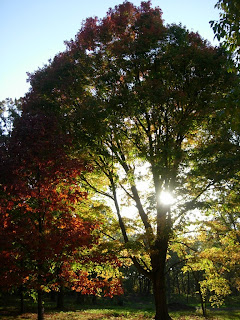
(33, 31)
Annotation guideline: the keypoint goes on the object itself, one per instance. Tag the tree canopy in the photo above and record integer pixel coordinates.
(148, 107)
(45, 241)
(227, 28)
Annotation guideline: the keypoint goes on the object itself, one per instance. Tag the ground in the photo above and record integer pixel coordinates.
(132, 309)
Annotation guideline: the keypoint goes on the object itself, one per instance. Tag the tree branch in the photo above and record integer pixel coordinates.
(128, 193)
(95, 189)
(139, 267)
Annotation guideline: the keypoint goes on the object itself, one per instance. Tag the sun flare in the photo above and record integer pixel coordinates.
(166, 198)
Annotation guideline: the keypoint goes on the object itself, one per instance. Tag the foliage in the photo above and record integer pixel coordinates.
(43, 234)
(224, 235)
(213, 253)
(9, 111)
(133, 93)
(227, 28)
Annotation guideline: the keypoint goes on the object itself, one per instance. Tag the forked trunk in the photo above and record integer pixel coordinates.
(159, 291)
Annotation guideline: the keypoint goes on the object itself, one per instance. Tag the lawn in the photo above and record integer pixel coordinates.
(106, 314)
(132, 310)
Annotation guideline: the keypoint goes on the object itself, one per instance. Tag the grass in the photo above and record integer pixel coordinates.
(113, 315)
(107, 310)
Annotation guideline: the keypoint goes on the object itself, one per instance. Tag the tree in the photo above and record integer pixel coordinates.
(228, 27)
(201, 257)
(137, 94)
(223, 232)
(43, 237)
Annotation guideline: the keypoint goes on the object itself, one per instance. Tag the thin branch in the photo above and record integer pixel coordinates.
(95, 189)
(108, 235)
(121, 223)
(142, 125)
(140, 267)
(186, 245)
(127, 192)
(175, 264)
(145, 264)
(205, 189)
(193, 201)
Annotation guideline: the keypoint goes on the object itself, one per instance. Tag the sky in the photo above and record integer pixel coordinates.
(34, 31)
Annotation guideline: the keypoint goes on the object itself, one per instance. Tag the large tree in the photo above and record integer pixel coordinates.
(138, 98)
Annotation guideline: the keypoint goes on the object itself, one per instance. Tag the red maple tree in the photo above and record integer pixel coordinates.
(41, 231)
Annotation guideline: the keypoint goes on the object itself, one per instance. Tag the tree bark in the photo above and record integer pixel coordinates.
(40, 305)
(188, 286)
(159, 291)
(22, 307)
(60, 298)
(53, 296)
(204, 311)
(168, 289)
(80, 298)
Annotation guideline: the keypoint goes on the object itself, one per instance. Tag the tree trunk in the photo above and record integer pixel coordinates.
(40, 305)
(196, 277)
(22, 309)
(204, 311)
(94, 300)
(80, 298)
(159, 291)
(188, 286)
(178, 287)
(168, 293)
(53, 296)
(60, 298)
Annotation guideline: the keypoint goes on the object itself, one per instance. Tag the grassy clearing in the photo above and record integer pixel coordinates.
(108, 314)
(133, 309)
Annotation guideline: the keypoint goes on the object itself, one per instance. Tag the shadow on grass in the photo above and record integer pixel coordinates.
(134, 308)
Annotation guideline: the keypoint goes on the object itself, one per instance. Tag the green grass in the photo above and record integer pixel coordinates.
(102, 314)
(133, 309)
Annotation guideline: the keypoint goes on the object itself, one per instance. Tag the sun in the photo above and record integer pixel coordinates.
(166, 198)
